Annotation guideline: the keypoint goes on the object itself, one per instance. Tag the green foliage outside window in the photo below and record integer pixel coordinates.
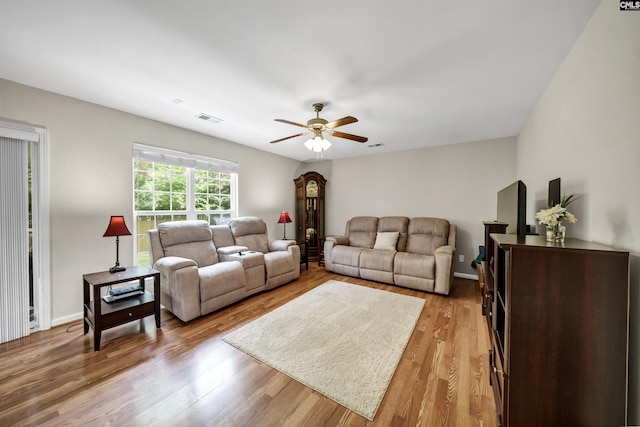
(161, 194)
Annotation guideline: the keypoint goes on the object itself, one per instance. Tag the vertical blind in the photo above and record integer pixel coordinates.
(14, 239)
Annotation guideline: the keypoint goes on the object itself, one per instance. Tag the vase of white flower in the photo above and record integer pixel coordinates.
(556, 233)
(553, 217)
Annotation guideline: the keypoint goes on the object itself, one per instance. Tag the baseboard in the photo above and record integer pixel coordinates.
(78, 316)
(66, 319)
(466, 276)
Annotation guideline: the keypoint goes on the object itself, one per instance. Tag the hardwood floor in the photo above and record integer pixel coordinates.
(184, 375)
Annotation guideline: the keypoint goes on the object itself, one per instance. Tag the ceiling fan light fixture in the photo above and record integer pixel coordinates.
(317, 144)
(318, 126)
(325, 144)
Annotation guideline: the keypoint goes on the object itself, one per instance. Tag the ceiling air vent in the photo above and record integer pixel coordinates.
(208, 118)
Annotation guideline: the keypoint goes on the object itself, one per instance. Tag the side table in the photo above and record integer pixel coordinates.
(100, 315)
(304, 252)
(321, 253)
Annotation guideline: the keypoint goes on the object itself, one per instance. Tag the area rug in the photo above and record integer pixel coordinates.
(342, 340)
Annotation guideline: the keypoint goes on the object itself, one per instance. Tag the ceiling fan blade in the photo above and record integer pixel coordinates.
(349, 136)
(288, 137)
(341, 122)
(290, 123)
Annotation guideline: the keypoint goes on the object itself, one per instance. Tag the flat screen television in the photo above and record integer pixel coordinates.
(512, 203)
(554, 192)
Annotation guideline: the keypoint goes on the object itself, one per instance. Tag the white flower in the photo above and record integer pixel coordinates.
(570, 217)
(553, 215)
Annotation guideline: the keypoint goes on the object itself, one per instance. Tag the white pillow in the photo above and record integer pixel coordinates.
(386, 241)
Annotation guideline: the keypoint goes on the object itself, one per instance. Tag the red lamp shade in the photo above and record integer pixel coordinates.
(284, 218)
(117, 227)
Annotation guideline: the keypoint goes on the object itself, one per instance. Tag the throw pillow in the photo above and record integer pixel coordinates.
(386, 240)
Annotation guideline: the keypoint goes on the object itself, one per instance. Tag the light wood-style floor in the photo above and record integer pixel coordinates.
(184, 375)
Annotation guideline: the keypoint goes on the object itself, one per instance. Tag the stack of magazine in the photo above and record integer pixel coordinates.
(122, 293)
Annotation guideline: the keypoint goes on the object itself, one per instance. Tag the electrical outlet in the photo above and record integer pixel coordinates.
(461, 258)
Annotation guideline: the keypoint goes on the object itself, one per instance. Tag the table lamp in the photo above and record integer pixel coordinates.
(284, 219)
(117, 227)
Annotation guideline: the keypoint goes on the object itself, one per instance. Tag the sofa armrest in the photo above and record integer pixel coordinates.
(329, 243)
(229, 250)
(281, 245)
(444, 269)
(179, 286)
(445, 250)
(338, 240)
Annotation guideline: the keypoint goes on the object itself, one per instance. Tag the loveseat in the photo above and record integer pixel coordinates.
(415, 253)
(204, 268)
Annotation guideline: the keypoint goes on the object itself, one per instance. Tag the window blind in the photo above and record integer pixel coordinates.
(177, 158)
(14, 241)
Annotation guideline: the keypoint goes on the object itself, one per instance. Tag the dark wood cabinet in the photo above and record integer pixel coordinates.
(559, 331)
(490, 227)
(310, 219)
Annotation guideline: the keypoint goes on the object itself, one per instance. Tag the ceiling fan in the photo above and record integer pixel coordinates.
(318, 126)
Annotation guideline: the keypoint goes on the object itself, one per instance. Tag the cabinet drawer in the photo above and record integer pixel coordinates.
(498, 378)
(127, 314)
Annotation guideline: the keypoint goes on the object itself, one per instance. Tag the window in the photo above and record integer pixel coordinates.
(173, 186)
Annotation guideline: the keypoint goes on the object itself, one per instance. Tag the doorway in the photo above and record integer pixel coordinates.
(27, 276)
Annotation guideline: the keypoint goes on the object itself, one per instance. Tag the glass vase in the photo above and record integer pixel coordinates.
(561, 230)
(556, 233)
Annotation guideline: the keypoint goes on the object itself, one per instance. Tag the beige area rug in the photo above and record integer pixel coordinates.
(342, 340)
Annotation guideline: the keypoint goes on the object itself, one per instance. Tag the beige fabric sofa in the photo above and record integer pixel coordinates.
(281, 257)
(203, 268)
(416, 253)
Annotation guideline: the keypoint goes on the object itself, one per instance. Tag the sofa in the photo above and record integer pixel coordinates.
(204, 268)
(416, 253)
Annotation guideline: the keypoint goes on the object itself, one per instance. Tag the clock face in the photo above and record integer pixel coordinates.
(312, 189)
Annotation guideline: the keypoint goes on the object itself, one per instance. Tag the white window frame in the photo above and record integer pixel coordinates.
(191, 162)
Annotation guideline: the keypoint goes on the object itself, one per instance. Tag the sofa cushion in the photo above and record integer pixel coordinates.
(220, 279)
(250, 231)
(346, 255)
(362, 231)
(222, 236)
(279, 262)
(386, 240)
(425, 235)
(373, 259)
(396, 223)
(408, 264)
(188, 239)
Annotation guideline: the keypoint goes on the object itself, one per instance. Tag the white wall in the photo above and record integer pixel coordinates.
(457, 182)
(91, 179)
(586, 130)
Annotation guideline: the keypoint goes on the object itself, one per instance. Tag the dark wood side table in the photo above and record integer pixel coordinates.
(100, 315)
(321, 252)
(304, 252)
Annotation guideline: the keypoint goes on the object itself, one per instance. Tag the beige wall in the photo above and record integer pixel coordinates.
(91, 179)
(457, 182)
(586, 130)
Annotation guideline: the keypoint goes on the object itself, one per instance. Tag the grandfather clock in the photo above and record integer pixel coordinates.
(310, 225)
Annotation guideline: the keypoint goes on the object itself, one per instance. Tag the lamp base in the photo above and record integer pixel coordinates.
(117, 268)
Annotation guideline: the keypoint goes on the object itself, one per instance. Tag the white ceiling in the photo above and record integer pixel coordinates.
(415, 73)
